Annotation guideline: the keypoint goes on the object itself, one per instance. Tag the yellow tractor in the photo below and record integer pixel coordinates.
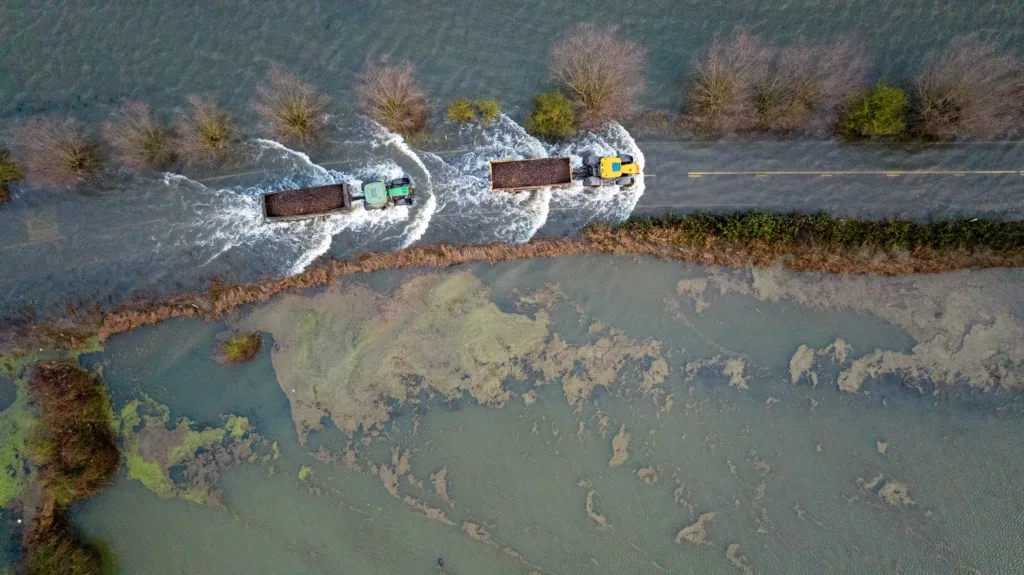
(608, 171)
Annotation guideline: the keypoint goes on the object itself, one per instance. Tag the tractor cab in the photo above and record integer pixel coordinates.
(381, 194)
(608, 171)
(618, 166)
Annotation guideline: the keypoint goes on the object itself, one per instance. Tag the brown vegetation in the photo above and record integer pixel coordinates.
(603, 74)
(969, 90)
(291, 111)
(75, 452)
(720, 98)
(56, 152)
(807, 83)
(732, 245)
(390, 96)
(73, 444)
(139, 141)
(206, 133)
(10, 172)
(52, 547)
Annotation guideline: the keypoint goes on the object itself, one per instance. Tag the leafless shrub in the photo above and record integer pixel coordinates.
(290, 110)
(56, 152)
(390, 96)
(969, 90)
(807, 84)
(604, 74)
(139, 141)
(206, 132)
(720, 97)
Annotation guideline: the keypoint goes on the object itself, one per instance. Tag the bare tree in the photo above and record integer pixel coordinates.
(206, 132)
(720, 97)
(56, 152)
(291, 111)
(604, 74)
(139, 141)
(969, 90)
(390, 96)
(808, 83)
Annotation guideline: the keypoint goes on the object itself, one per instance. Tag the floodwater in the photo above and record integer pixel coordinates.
(583, 415)
(160, 233)
(576, 415)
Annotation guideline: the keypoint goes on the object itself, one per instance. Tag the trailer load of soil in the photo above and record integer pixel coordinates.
(306, 202)
(512, 175)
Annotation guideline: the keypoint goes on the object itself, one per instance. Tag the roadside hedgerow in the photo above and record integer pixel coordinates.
(878, 113)
(553, 116)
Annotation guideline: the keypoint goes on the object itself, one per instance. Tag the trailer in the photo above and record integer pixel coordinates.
(535, 173)
(303, 203)
(530, 174)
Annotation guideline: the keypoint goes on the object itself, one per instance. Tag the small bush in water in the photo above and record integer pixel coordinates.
(720, 98)
(291, 111)
(56, 152)
(10, 172)
(602, 72)
(553, 116)
(390, 95)
(139, 141)
(878, 113)
(969, 90)
(239, 348)
(206, 132)
(488, 109)
(461, 110)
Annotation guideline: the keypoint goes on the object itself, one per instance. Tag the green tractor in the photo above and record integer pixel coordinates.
(380, 194)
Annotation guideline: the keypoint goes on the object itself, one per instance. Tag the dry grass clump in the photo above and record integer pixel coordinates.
(806, 84)
(10, 172)
(720, 97)
(602, 73)
(291, 111)
(139, 140)
(239, 348)
(56, 152)
(206, 133)
(969, 90)
(389, 95)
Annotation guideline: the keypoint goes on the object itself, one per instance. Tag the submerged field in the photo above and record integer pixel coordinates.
(579, 414)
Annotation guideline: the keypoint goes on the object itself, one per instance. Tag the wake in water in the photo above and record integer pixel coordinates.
(227, 218)
(469, 211)
(453, 198)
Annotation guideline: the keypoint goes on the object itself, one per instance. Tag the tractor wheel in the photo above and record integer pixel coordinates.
(592, 182)
(626, 158)
(403, 202)
(591, 161)
(625, 182)
(398, 182)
